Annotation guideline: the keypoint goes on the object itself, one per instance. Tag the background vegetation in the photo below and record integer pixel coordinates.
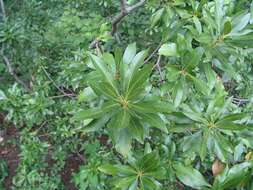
(126, 95)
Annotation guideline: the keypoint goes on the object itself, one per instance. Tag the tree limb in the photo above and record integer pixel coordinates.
(56, 86)
(12, 72)
(125, 10)
(5, 58)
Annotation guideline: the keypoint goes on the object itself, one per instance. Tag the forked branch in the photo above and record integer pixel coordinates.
(125, 10)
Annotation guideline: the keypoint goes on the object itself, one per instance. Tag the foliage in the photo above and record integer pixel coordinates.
(165, 102)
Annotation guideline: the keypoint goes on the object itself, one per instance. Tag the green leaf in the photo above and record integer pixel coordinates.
(152, 106)
(2, 95)
(240, 22)
(122, 119)
(219, 13)
(239, 149)
(123, 142)
(149, 163)
(129, 53)
(203, 146)
(108, 169)
(236, 174)
(200, 85)
(138, 80)
(190, 176)
(149, 184)
(103, 88)
(179, 88)
(134, 185)
(104, 71)
(220, 148)
(133, 69)
(195, 117)
(125, 183)
(95, 125)
(227, 27)
(210, 75)
(95, 112)
(197, 24)
(155, 121)
(126, 170)
(168, 50)
(156, 17)
(179, 118)
(233, 117)
(228, 125)
(136, 129)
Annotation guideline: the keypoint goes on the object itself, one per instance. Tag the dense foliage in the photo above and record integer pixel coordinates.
(154, 94)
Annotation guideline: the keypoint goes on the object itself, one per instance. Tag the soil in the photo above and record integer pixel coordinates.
(72, 164)
(9, 152)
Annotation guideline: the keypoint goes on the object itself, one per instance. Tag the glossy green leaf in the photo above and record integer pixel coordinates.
(108, 169)
(155, 121)
(232, 117)
(138, 80)
(129, 53)
(168, 49)
(236, 174)
(2, 95)
(122, 119)
(240, 22)
(227, 27)
(152, 107)
(197, 24)
(95, 112)
(156, 17)
(103, 69)
(179, 88)
(190, 176)
(123, 142)
(200, 85)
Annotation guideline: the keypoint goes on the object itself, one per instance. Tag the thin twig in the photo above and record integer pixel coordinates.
(61, 96)
(6, 59)
(12, 72)
(56, 86)
(159, 68)
(124, 11)
(153, 53)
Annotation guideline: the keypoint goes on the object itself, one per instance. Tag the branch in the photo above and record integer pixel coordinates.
(136, 6)
(56, 86)
(12, 72)
(153, 53)
(159, 68)
(125, 10)
(6, 60)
